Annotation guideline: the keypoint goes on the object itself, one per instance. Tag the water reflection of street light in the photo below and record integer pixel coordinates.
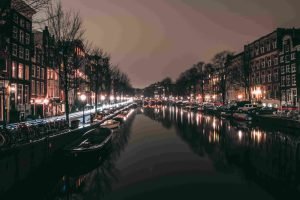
(83, 99)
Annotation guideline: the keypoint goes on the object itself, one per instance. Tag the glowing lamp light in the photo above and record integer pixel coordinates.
(118, 98)
(102, 97)
(240, 96)
(83, 97)
(46, 101)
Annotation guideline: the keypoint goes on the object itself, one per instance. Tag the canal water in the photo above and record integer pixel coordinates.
(169, 153)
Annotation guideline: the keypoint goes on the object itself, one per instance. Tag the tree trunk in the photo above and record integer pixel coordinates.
(66, 90)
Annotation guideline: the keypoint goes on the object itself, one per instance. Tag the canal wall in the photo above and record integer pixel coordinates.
(19, 162)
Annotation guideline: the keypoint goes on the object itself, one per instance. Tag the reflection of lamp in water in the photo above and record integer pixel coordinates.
(240, 134)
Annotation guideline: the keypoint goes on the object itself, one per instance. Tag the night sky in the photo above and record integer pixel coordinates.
(152, 39)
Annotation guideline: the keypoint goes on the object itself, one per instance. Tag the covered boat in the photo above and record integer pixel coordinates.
(112, 124)
(90, 144)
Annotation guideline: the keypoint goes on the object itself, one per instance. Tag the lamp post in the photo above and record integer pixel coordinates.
(83, 99)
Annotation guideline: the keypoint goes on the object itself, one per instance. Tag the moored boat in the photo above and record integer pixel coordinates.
(111, 124)
(90, 144)
(242, 115)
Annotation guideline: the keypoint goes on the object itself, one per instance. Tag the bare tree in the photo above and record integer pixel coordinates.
(67, 29)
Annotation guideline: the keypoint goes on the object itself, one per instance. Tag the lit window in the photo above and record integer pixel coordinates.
(20, 94)
(42, 88)
(26, 72)
(293, 66)
(14, 70)
(33, 87)
(28, 26)
(20, 71)
(287, 58)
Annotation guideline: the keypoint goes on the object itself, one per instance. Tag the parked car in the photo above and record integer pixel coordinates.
(247, 107)
(266, 110)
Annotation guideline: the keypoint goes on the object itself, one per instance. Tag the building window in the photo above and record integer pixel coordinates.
(22, 22)
(42, 88)
(257, 65)
(269, 76)
(262, 49)
(282, 80)
(287, 48)
(293, 56)
(15, 18)
(20, 94)
(288, 69)
(26, 72)
(26, 54)
(274, 44)
(37, 88)
(294, 79)
(269, 62)
(33, 71)
(287, 58)
(263, 77)
(276, 75)
(14, 70)
(288, 80)
(21, 36)
(37, 71)
(268, 46)
(33, 87)
(21, 52)
(15, 32)
(282, 70)
(28, 26)
(293, 66)
(262, 62)
(14, 49)
(42, 73)
(275, 60)
(26, 94)
(281, 59)
(20, 71)
(27, 39)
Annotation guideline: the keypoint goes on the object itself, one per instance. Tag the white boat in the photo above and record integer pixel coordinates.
(112, 124)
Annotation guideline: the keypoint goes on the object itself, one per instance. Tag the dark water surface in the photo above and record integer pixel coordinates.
(168, 153)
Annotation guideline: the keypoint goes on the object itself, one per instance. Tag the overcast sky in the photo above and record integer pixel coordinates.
(152, 39)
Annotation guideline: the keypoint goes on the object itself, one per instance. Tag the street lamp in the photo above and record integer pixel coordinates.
(83, 99)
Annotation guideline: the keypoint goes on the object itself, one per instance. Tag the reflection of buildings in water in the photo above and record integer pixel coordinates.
(269, 156)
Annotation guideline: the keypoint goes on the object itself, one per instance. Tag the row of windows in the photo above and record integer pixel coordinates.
(264, 78)
(21, 35)
(21, 52)
(263, 48)
(22, 93)
(21, 21)
(37, 88)
(52, 75)
(288, 80)
(38, 72)
(18, 71)
(287, 58)
(264, 62)
(288, 95)
(288, 68)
